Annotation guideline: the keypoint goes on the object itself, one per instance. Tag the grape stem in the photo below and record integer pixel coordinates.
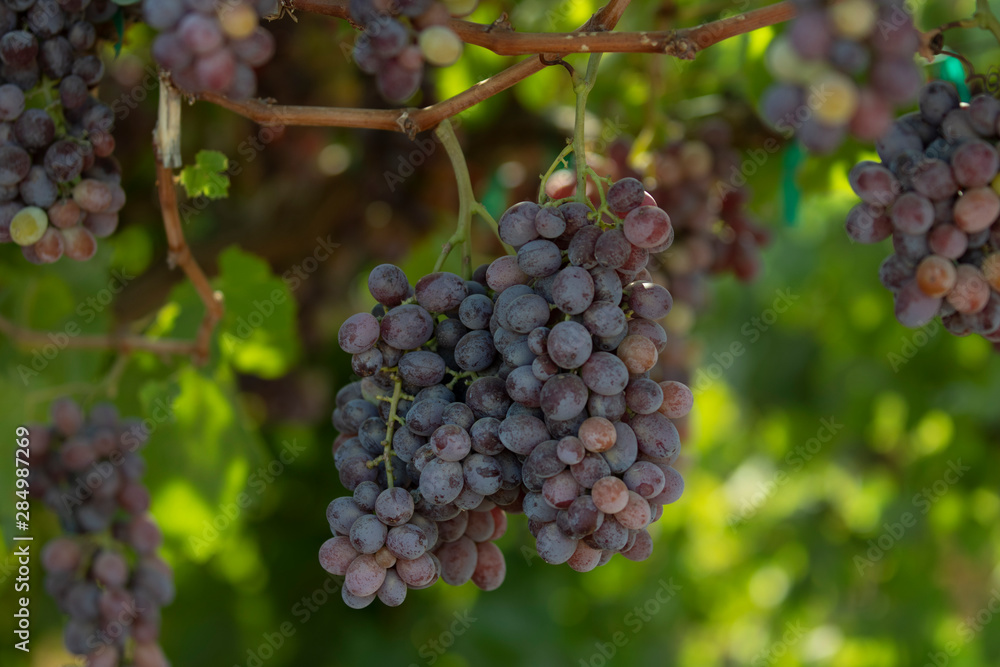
(559, 161)
(390, 426)
(582, 89)
(467, 203)
(986, 18)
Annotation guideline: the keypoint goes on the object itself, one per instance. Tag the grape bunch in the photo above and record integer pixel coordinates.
(104, 573)
(843, 66)
(445, 503)
(59, 184)
(579, 336)
(936, 193)
(212, 45)
(399, 36)
(525, 389)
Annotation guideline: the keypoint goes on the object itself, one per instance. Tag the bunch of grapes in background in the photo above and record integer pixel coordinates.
(526, 389)
(59, 185)
(104, 573)
(398, 37)
(211, 45)
(936, 193)
(843, 66)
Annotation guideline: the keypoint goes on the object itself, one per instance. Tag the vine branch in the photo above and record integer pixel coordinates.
(593, 37)
(123, 343)
(179, 254)
(684, 43)
(410, 121)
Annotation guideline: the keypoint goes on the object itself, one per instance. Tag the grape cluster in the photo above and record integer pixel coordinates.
(104, 573)
(525, 389)
(936, 193)
(212, 45)
(843, 66)
(700, 179)
(59, 186)
(400, 35)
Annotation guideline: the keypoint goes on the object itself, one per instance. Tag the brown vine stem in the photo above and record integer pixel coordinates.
(179, 253)
(124, 344)
(410, 121)
(684, 43)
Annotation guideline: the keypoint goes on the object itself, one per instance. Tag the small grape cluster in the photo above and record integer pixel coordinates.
(549, 409)
(936, 193)
(105, 573)
(211, 45)
(400, 35)
(843, 66)
(59, 186)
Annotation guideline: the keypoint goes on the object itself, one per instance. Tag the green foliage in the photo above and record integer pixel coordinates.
(207, 177)
(771, 545)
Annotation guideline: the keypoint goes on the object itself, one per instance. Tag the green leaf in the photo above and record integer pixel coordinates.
(207, 177)
(258, 333)
(201, 450)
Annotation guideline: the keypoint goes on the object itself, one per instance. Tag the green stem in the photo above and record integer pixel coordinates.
(987, 19)
(560, 160)
(466, 201)
(582, 90)
(482, 212)
(390, 426)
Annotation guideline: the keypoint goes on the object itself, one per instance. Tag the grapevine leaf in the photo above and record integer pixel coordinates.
(207, 177)
(258, 333)
(202, 447)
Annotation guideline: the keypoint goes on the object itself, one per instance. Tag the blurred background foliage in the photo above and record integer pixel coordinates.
(805, 452)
